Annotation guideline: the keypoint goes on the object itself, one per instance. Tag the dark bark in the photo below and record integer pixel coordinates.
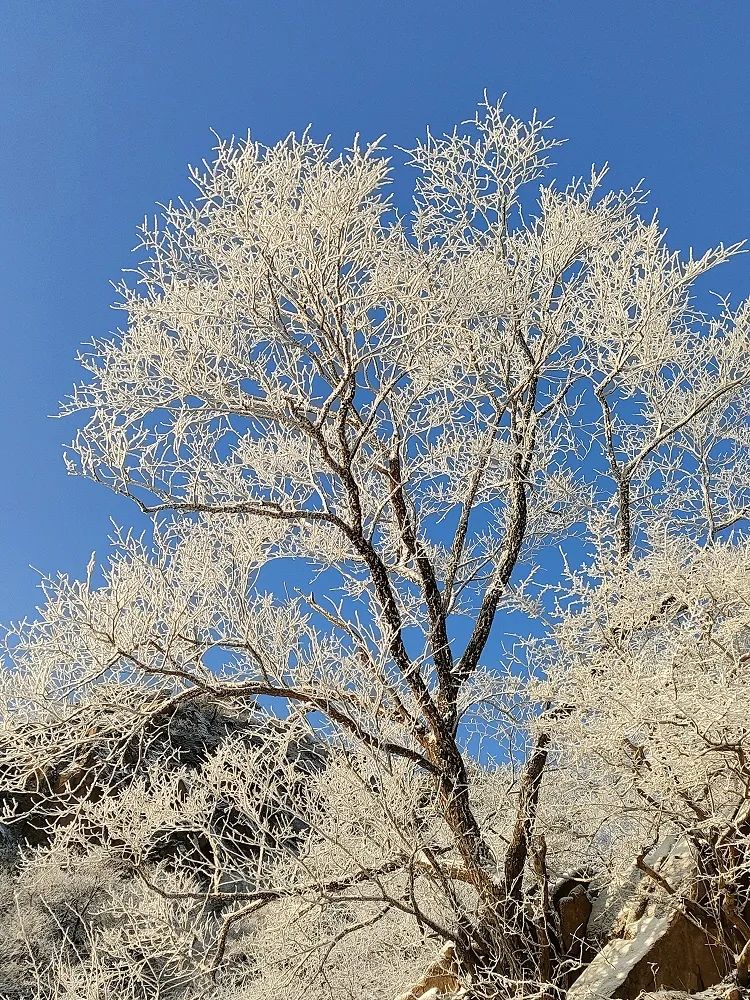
(516, 530)
(624, 518)
(520, 841)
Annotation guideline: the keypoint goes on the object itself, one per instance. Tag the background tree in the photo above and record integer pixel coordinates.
(453, 495)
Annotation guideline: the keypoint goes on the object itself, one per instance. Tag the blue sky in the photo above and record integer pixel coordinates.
(102, 105)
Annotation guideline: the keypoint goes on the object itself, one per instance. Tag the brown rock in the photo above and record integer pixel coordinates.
(682, 959)
(575, 911)
(440, 978)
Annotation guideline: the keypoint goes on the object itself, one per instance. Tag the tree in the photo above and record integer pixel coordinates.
(461, 497)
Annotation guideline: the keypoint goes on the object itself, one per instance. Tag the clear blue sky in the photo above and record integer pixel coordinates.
(103, 103)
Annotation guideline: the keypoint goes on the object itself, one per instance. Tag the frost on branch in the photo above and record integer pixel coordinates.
(430, 675)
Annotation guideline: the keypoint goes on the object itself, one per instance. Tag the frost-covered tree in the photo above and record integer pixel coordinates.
(448, 564)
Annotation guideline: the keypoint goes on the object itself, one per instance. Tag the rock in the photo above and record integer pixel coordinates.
(574, 911)
(659, 951)
(608, 973)
(440, 979)
(651, 944)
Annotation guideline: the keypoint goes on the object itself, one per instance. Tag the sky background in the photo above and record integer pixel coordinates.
(102, 105)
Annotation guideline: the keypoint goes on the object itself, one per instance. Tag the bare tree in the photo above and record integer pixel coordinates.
(447, 496)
